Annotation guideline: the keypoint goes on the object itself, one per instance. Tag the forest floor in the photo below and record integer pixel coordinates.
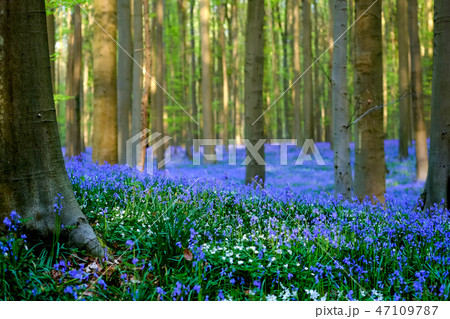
(197, 233)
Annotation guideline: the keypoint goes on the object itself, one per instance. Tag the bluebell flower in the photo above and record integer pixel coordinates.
(135, 261)
(160, 291)
(350, 295)
(197, 288)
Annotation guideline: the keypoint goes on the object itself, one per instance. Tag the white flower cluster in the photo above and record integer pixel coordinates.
(314, 295)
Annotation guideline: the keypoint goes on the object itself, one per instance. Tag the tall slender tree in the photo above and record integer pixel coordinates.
(73, 86)
(420, 130)
(225, 91)
(159, 66)
(195, 127)
(254, 79)
(308, 77)
(342, 168)
(370, 167)
(208, 125)
(404, 79)
(437, 187)
(104, 146)
(124, 76)
(296, 63)
(137, 82)
(32, 172)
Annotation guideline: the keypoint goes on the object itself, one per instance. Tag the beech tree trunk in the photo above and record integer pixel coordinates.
(32, 172)
(254, 79)
(308, 77)
(105, 83)
(420, 129)
(124, 76)
(225, 94)
(341, 116)
(437, 188)
(404, 79)
(159, 66)
(370, 167)
(73, 87)
(138, 47)
(208, 125)
(296, 63)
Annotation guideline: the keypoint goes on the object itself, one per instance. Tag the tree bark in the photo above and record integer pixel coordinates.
(32, 172)
(51, 45)
(236, 71)
(105, 82)
(124, 76)
(254, 79)
(296, 63)
(145, 101)
(138, 45)
(420, 130)
(159, 65)
(225, 94)
(307, 77)
(208, 125)
(195, 127)
(438, 180)
(341, 116)
(404, 79)
(370, 168)
(73, 87)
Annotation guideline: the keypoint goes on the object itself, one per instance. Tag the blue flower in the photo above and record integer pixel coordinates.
(197, 288)
(350, 295)
(290, 276)
(7, 222)
(178, 244)
(160, 291)
(232, 281)
(135, 261)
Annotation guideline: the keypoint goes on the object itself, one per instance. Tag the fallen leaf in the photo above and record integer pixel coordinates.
(187, 254)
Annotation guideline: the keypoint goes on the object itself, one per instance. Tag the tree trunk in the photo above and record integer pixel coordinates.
(73, 87)
(138, 44)
(307, 78)
(225, 93)
(296, 63)
(403, 78)
(341, 116)
(195, 127)
(32, 172)
(159, 65)
(254, 79)
(370, 168)
(51, 45)
(272, 15)
(438, 181)
(145, 101)
(236, 71)
(420, 130)
(124, 77)
(105, 83)
(208, 125)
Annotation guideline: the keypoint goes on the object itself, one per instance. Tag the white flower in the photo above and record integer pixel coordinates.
(312, 294)
(231, 260)
(271, 298)
(278, 251)
(324, 298)
(240, 262)
(250, 260)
